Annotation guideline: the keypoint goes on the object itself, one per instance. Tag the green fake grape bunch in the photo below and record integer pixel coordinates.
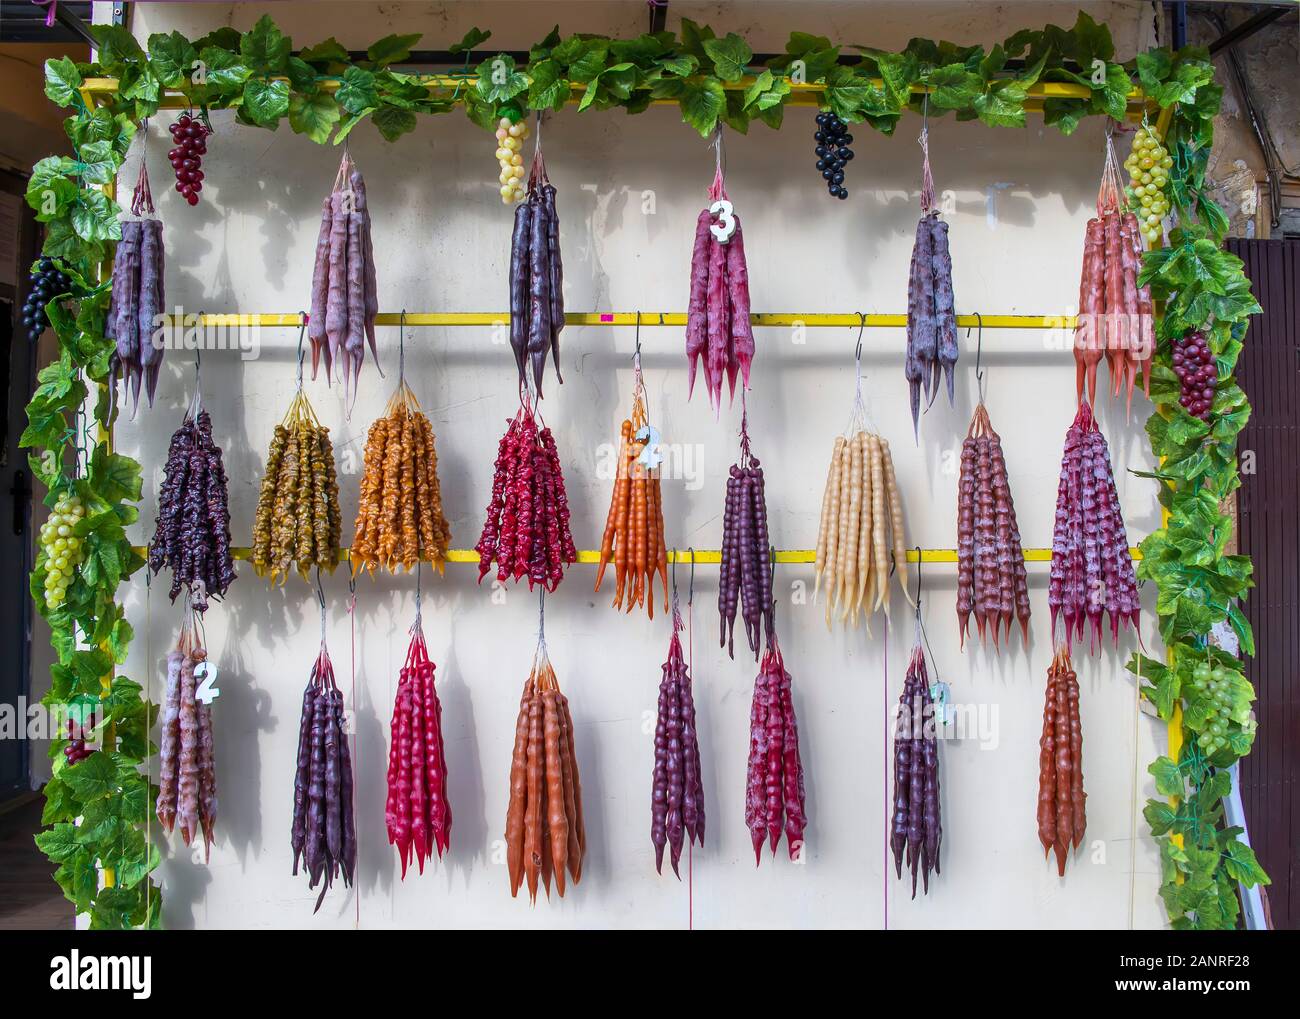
(1214, 683)
(61, 549)
(1148, 166)
(511, 136)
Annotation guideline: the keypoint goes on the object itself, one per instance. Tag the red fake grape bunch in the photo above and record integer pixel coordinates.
(75, 749)
(190, 135)
(1194, 365)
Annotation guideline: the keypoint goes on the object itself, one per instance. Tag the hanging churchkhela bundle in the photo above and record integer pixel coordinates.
(1116, 316)
(861, 524)
(137, 298)
(536, 279)
(324, 831)
(718, 328)
(746, 575)
(990, 562)
(931, 319)
(526, 532)
(192, 533)
(297, 520)
(774, 787)
(915, 824)
(418, 813)
(634, 529)
(399, 518)
(187, 772)
(1062, 817)
(544, 827)
(677, 787)
(1092, 571)
(344, 301)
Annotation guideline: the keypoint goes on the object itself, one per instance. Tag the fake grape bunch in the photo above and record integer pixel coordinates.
(1197, 374)
(833, 152)
(61, 548)
(1148, 166)
(510, 139)
(190, 135)
(76, 749)
(1215, 683)
(47, 283)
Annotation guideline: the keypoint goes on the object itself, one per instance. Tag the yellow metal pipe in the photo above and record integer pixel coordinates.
(703, 556)
(805, 94)
(648, 319)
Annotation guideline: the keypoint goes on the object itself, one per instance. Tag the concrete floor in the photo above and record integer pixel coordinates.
(29, 898)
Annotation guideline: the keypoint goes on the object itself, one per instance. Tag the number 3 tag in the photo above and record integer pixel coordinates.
(206, 673)
(726, 224)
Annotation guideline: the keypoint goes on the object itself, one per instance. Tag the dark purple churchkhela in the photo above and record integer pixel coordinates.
(677, 788)
(192, 533)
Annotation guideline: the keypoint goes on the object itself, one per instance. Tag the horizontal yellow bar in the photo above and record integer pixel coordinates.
(648, 319)
(801, 94)
(713, 555)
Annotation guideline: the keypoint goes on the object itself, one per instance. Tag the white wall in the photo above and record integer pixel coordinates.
(441, 240)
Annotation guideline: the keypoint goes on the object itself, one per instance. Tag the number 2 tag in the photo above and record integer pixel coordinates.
(206, 673)
(726, 224)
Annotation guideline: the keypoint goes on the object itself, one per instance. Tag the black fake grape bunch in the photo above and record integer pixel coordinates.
(833, 141)
(191, 137)
(47, 282)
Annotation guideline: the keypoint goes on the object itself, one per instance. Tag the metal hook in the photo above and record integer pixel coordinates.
(302, 331)
(401, 348)
(979, 352)
(862, 325)
(690, 593)
(919, 559)
(636, 353)
(675, 556)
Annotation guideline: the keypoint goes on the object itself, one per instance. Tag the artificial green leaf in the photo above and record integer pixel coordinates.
(549, 89)
(62, 79)
(60, 843)
(498, 80)
(93, 777)
(954, 87)
(222, 69)
(472, 40)
(702, 101)
(314, 116)
(265, 102)
(264, 48)
(1169, 780)
(331, 51)
(357, 92)
(392, 49)
(171, 57)
(393, 122)
(730, 56)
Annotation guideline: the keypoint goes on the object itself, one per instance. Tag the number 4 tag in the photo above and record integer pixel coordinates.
(206, 674)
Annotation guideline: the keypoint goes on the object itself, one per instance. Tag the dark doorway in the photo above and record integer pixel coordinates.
(17, 369)
(1269, 509)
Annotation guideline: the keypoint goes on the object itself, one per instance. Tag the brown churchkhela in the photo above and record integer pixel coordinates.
(1062, 817)
(297, 522)
(399, 518)
(545, 835)
(991, 577)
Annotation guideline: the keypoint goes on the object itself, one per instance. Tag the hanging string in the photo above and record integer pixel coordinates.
(927, 180)
(858, 415)
(196, 401)
(541, 622)
(921, 635)
(419, 614)
(718, 189)
(320, 596)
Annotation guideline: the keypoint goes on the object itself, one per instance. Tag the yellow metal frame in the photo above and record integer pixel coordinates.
(647, 319)
(702, 556)
(805, 94)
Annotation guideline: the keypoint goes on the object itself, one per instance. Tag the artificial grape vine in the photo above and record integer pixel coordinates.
(511, 136)
(324, 94)
(1148, 165)
(61, 552)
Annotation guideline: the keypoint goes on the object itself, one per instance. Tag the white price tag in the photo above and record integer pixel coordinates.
(726, 220)
(650, 456)
(206, 674)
